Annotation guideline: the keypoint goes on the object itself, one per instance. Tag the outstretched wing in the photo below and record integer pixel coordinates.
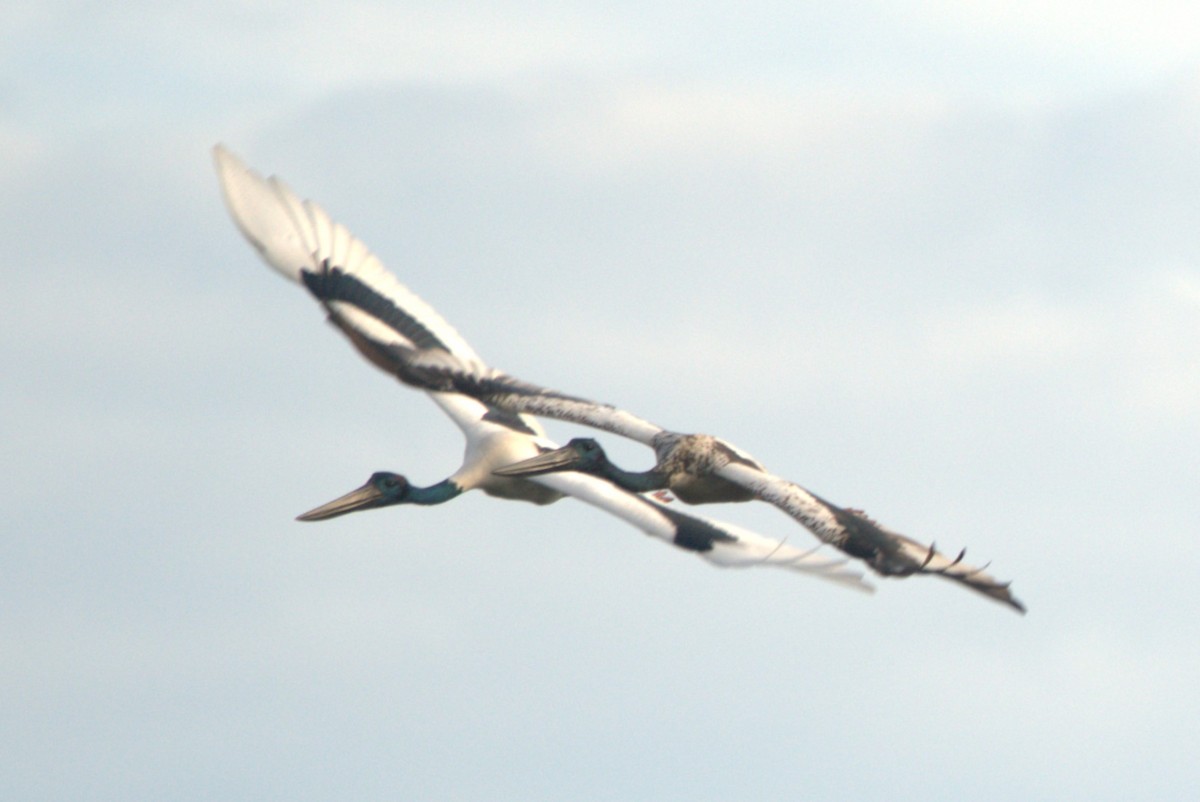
(887, 552)
(376, 312)
(720, 543)
(976, 578)
(299, 240)
(437, 370)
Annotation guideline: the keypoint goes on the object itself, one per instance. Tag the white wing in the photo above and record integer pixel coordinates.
(299, 240)
(369, 304)
(722, 544)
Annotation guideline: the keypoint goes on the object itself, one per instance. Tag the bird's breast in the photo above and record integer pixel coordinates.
(497, 450)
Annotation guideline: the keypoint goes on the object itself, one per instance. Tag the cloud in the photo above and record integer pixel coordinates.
(1154, 34)
(20, 152)
(1022, 333)
(652, 126)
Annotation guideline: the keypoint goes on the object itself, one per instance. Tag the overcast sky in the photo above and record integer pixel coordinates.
(938, 260)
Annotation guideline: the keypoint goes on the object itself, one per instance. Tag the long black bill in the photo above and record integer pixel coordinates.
(561, 459)
(364, 498)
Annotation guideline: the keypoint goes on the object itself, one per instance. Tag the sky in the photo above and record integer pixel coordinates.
(935, 260)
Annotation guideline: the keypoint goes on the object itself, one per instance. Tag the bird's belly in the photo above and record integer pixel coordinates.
(708, 489)
(520, 490)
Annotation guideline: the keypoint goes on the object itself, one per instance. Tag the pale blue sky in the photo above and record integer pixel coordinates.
(937, 260)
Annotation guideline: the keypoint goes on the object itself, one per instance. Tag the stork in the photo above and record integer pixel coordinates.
(382, 318)
(698, 468)
(887, 552)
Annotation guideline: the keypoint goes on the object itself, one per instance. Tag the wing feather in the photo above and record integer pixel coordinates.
(889, 553)
(436, 369)
(298, 239)
(814, 514)
(721, 544)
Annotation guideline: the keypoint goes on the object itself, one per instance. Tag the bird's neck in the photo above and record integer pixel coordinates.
(440, 493)
(636, 481)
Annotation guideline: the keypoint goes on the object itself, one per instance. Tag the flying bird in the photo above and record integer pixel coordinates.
(887, 552)
(698, 468)
(382, 318)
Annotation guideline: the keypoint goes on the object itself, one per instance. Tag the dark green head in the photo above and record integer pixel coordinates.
(590, 455)
(383, 489)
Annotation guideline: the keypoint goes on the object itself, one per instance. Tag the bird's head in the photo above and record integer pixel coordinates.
(589, 454)
(580, 454)
(383, 489)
